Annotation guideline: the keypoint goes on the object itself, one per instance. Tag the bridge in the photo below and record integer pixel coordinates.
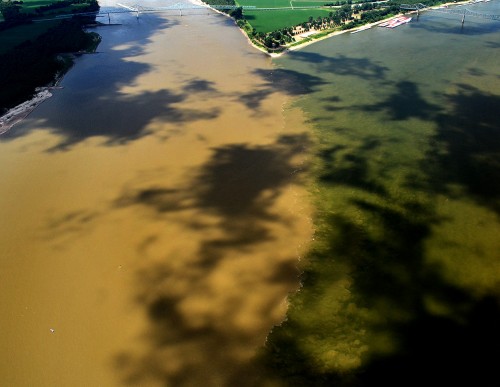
(138, 9)
(184, 5)
(462, 11)
(142, 9)
(179, 6)
(413, 7)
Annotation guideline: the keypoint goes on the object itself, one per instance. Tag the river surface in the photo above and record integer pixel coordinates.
(152, 212)
(403, 281)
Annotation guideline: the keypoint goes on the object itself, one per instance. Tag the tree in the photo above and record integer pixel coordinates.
(10, 11)
(268, 42)
(237, 13)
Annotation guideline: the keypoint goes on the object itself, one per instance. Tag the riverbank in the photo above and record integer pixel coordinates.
(33, 68)
(313, 38)
(18, 113)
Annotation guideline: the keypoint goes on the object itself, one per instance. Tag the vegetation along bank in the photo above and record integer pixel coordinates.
(285, 24)
(35, 53)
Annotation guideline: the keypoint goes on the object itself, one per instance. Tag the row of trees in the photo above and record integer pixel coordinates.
(275, 39)
(373, 15)
(342, 17)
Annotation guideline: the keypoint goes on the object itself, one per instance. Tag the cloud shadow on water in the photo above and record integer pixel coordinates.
(363, 68)
(374, 309)
(406, 102)
(380, 289)
(206, 316)
(493, 45)
(116, 117)
(345, 168)
(470, 133)
(289, 82)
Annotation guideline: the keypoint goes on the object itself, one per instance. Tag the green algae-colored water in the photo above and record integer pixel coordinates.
(402, 284)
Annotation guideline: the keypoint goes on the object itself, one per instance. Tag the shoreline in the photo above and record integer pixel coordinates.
(23, 110)
(19, 112)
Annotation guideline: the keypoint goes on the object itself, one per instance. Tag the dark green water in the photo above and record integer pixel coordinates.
(402, 285)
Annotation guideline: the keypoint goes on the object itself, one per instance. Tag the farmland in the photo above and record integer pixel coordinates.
(282, 3)
(267, 21)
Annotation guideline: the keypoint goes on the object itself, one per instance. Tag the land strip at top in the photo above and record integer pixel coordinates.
(275, 26)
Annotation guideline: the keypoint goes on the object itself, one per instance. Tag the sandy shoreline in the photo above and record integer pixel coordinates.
(21, 111)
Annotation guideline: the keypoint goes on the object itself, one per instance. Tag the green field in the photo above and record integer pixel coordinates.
(29, 6)
(265, 3)
(267, 21)
(282, 3)
(309, 3)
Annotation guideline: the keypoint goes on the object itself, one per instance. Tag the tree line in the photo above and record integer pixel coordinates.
(341, 18)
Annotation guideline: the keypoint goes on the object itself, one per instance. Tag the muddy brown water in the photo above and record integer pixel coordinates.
(152, 212)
